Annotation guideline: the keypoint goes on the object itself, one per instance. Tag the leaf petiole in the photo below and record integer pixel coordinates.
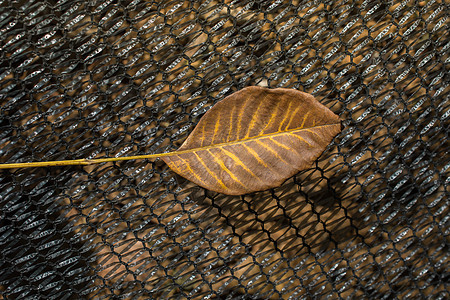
(78, 162)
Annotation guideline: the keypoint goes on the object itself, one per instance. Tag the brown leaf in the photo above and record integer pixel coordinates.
(254, 140)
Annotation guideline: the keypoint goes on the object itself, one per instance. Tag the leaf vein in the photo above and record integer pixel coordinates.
(304, 119)
(254, 117)
(285, 117)
(230, 130)
(292, 117)
(302, 139)
(239, 162)
(274, 114)
(254, 154)
(272, 151)
(216, 128)
(279, 144)
(210, 172)
(188, 167)
(222, 165)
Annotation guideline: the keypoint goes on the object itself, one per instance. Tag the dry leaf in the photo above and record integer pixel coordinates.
(250, 141)
(254, 140)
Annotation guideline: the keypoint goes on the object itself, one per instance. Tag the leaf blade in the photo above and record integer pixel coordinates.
(277, 133)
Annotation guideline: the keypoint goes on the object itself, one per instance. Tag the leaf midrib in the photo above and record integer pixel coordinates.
(242, 141)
